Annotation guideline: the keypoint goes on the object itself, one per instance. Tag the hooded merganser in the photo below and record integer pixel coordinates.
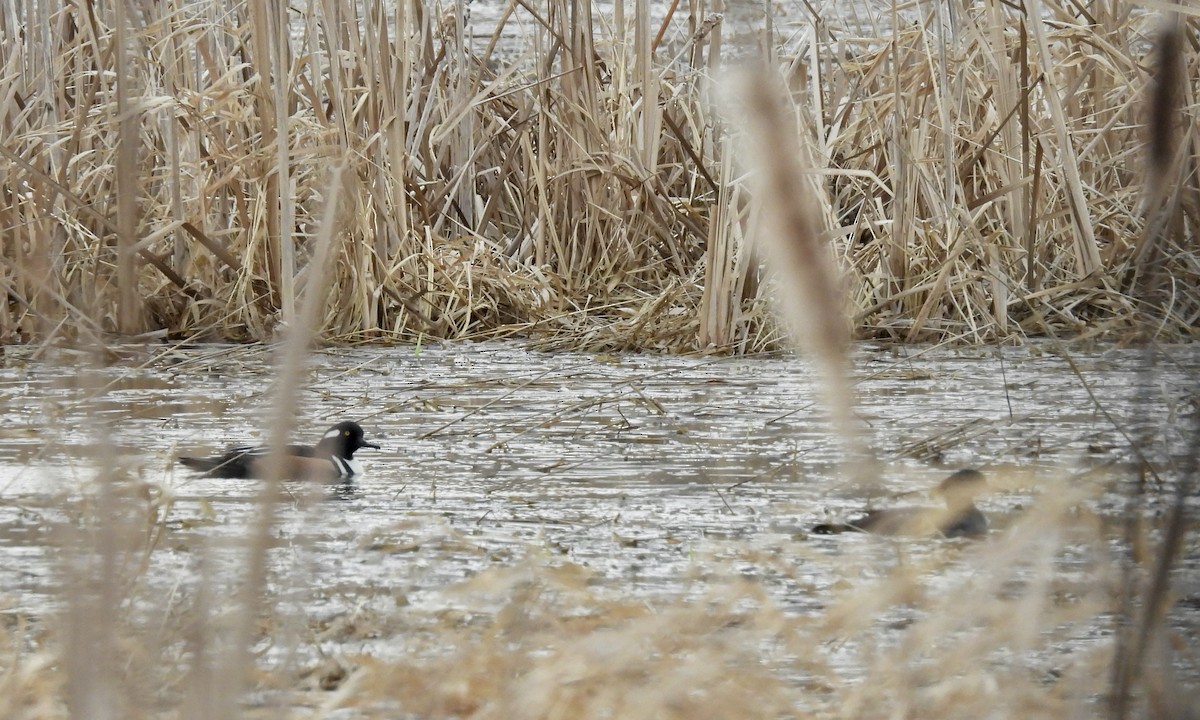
(331, 460)
(960, 518)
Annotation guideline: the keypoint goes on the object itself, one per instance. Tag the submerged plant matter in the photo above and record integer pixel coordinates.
(580, 193)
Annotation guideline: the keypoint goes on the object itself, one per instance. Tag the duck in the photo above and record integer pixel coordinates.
(330, 460)
(959, 519)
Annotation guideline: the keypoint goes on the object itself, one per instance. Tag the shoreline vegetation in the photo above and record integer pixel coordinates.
(976, 185)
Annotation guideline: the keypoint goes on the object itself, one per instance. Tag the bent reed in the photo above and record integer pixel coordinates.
(163, 166)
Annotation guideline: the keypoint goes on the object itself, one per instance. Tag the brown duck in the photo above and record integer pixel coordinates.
(960, 517)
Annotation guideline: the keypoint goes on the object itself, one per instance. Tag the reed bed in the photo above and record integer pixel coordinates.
(163, 168)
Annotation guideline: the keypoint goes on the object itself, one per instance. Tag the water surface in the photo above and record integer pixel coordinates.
(657, 477)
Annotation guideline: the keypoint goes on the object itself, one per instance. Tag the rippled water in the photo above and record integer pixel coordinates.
(649, 471)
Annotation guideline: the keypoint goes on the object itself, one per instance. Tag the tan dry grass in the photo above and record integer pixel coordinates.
(981, 185)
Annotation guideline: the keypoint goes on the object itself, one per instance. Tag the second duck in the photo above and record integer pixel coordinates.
(960, 517)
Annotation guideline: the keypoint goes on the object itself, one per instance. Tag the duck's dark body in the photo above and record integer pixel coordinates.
(330, 460)
(968, 523)
(960, 517)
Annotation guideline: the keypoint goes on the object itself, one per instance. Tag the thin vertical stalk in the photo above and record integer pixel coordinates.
(128, 186)
(291, 367)
(260, 37)
(811, 293)
(287, 212)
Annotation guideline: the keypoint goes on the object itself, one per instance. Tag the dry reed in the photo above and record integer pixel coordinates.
(162, 171)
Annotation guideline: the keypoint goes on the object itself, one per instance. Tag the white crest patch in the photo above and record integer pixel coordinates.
(331, 434)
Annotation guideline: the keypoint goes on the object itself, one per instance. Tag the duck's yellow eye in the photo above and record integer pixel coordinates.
(346, 433)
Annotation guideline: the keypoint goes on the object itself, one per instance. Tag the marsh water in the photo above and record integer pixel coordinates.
(654, 476)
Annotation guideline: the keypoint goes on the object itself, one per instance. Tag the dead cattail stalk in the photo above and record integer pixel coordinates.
(1143, 624)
